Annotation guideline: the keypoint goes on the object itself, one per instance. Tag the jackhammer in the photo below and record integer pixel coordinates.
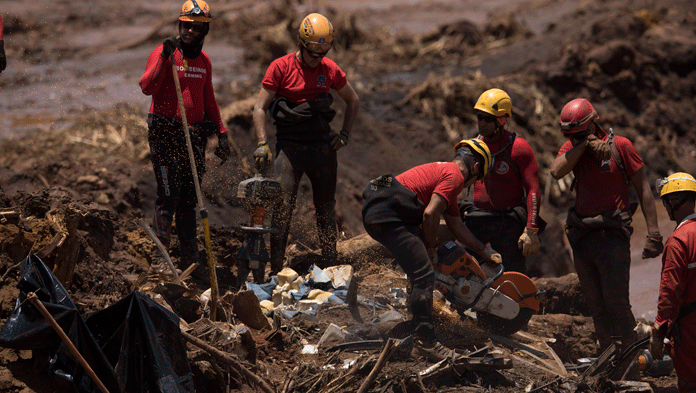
(258, 194)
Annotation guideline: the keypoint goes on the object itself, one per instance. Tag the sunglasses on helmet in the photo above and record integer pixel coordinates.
(317, 49)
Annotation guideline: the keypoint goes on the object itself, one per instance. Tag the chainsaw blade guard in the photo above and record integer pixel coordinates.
(521, 289)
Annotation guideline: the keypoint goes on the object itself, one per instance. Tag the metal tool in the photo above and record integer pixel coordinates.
(258, 193)
(503, 301)
(199, 197)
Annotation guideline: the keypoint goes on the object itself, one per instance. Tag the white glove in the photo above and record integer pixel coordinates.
(529, 241)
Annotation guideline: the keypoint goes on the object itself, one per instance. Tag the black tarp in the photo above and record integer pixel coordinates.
(134, 345)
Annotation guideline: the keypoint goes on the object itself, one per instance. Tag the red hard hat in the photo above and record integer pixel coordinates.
(576, 115)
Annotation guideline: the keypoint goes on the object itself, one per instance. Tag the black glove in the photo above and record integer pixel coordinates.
(168, 47)
(3, 59)
(223, 149)
(653, 246)
(339, 140)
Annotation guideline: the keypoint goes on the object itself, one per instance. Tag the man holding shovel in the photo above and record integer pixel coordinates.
(176, 191)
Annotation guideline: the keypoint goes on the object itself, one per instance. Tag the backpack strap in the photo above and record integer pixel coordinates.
(507, 149)
(616, 156)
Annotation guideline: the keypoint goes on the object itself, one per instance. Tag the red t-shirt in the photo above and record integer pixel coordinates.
(598, 189)
(196, 81)
(502, 188)
(290, 79)
(443, 178)
(1, 28)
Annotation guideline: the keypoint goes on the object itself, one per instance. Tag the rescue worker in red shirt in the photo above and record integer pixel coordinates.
(403, 213)
(598, 225)
(676, 302)
(296, 92)
(176, 193)
(3, 59)
(505, 208)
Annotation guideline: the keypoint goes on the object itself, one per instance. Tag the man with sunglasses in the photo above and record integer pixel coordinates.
(296, 92)
(505, 207)
(403, 213)
(676, 303)
(176, 193)
(598, 225)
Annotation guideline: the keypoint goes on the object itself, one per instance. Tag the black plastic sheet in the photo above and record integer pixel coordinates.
(134, 345)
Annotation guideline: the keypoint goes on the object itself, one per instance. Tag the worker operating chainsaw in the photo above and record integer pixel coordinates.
(598, 225)
(403, 213)
(505, 206)
(176, 193)
(296, 92)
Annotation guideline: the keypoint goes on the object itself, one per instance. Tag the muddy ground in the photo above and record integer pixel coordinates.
(74, 157)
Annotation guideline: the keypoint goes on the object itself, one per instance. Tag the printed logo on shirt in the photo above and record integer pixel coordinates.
(321, 80)
(605, 165)
(192, 72)
(502, 168)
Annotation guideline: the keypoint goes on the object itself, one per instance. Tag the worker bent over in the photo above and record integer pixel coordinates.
(403, 213)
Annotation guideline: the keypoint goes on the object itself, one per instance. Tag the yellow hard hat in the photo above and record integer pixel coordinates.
(316, 33)
(676, 182)
(481, 148)
(195, 11)
(495, 102)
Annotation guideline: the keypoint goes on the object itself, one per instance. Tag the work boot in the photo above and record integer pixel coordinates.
(433, 350)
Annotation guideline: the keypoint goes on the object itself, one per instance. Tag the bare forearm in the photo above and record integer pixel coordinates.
(565, 163)
(260, 124)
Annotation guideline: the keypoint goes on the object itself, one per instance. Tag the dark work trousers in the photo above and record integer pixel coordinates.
(407, 247)
(318, 161)
(603, 260)
(176, 192)
(502, 232)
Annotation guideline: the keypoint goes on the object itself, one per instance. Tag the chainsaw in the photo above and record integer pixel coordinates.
(503, 301)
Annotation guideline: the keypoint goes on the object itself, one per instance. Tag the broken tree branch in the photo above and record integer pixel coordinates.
(160, 246)
(388, 350)
(236, 364)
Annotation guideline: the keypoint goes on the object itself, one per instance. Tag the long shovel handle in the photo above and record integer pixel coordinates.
(199, 197)
(34, 300)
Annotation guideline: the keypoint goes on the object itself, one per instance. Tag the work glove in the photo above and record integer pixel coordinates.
(491, 255)
(653, 246)
(599, 148)
(223, 149)
(262, 156)
(657, 344)
(168, 47)
(529, 241)
(3, 59)
(339, 140)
